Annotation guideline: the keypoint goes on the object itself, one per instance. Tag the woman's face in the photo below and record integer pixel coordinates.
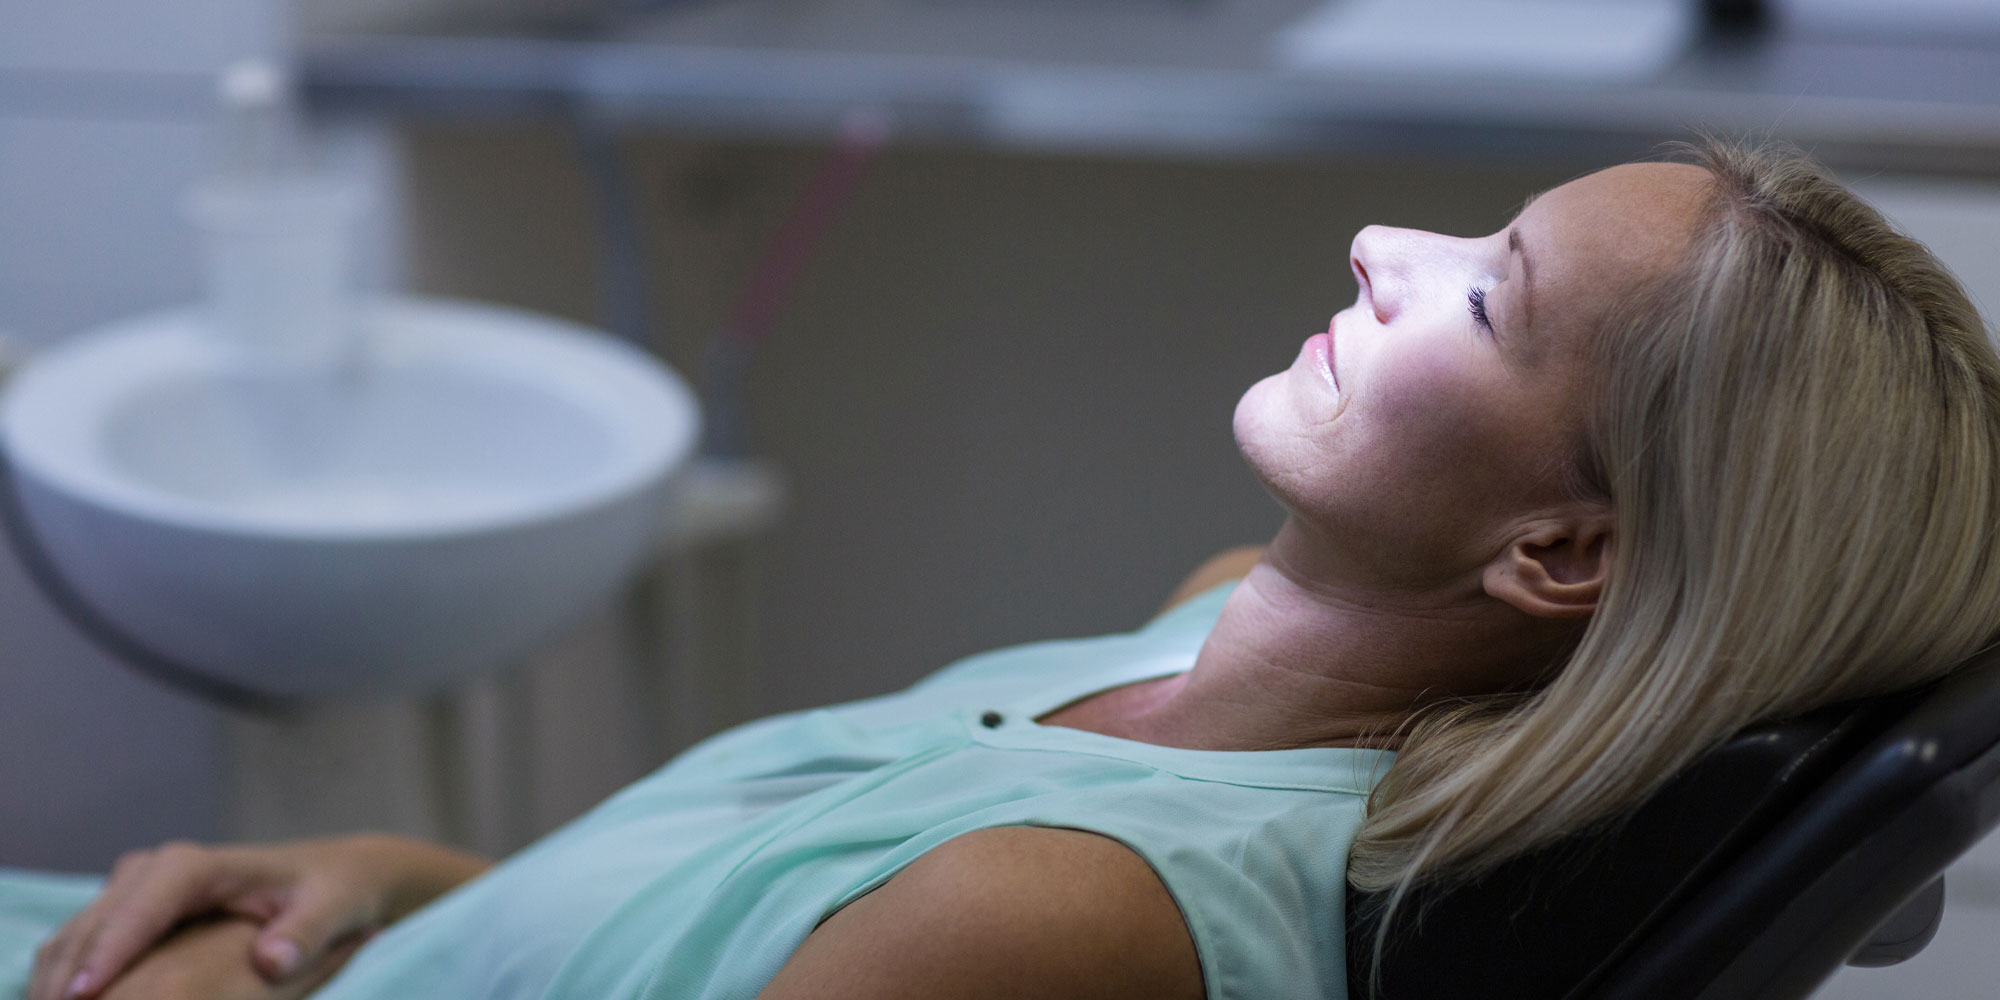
(1441, 411)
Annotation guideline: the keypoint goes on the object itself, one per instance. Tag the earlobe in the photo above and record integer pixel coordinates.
(1553, 570)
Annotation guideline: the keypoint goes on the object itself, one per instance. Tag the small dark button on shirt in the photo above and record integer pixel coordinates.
(992, 720)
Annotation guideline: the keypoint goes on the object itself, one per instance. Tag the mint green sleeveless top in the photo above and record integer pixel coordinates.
(699, 881)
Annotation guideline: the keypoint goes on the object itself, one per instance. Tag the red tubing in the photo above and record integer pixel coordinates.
(862, 135)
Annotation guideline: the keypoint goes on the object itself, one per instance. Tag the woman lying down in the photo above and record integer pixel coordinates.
(1683, 447)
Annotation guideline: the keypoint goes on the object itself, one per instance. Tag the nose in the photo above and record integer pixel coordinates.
(1400, 269)
(1380, 269)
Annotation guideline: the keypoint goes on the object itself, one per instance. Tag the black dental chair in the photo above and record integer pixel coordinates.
(1756, 873)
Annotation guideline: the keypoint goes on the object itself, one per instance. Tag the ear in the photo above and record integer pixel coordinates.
(1554, 568)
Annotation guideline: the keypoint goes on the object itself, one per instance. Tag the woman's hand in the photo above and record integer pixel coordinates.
(307, 895)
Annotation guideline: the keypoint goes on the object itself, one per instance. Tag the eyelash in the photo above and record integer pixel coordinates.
(1475, 297)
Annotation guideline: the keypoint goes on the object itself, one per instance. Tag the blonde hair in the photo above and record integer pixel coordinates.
(1799, 432)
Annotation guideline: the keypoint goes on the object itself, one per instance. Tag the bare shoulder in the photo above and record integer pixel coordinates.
(1222, 567)
(1008, 912)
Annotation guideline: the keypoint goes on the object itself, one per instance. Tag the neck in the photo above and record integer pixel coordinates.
(1297, 661)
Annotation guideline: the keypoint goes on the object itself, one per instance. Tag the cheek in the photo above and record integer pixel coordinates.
(1432, 445)
(1475, 449)
(1433, 428)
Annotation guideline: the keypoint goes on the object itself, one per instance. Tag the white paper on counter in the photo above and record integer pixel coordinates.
(1604, 40)
(1878, 19)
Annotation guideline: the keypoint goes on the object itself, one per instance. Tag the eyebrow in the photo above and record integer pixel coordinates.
(1514, 245)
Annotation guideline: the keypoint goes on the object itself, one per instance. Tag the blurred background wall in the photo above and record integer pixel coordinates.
(1003, 390)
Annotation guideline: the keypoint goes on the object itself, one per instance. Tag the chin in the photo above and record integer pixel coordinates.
(1252, 409)
(1256, 425)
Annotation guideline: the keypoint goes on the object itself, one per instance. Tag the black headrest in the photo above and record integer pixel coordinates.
(1542, 924)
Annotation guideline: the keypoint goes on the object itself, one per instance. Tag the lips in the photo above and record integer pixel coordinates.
(1331, 351)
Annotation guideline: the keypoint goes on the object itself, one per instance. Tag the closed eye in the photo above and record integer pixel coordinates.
(1475, 298)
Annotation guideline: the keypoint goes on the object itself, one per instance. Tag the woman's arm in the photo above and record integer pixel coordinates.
(1229, 565)
(1004, 913)
(204, 961)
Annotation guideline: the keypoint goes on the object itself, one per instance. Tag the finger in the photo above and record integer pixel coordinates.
(319, 914)
(178, 882)
(317, 973)
(49, 958)
(56, 960)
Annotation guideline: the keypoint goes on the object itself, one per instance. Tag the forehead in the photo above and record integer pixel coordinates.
(1608, 231)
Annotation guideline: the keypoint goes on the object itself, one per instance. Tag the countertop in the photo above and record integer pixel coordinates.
(1156, 77)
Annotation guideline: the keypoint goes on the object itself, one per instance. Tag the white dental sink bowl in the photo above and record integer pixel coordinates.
(481, 480)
